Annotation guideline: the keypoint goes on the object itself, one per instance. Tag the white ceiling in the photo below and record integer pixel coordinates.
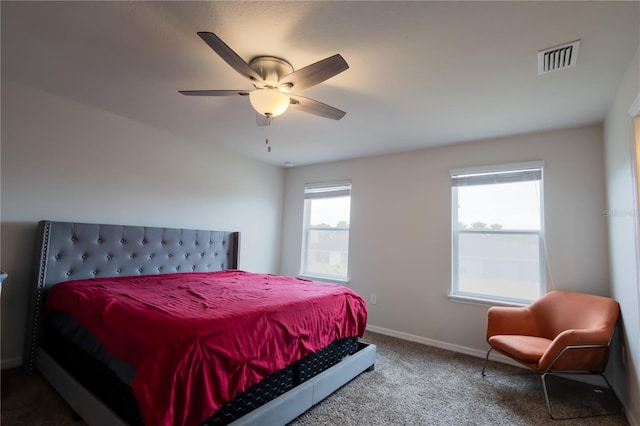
(421, 73)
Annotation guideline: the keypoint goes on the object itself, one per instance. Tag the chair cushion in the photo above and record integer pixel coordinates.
(528, 349)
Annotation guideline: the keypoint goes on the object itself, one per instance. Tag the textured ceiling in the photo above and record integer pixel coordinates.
(421, 73)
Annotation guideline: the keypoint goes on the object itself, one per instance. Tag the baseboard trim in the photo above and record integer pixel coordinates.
(478, 353)
(10, 363)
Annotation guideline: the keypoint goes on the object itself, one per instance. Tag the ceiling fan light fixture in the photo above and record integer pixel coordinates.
(269, 102)
(274, 79)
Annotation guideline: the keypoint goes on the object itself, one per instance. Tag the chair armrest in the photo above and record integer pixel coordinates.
(577, 358)
(511, 320)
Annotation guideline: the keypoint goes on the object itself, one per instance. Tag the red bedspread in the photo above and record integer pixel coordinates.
(197, 340)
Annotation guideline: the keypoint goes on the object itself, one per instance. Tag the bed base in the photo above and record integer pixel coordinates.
(101, 381)
(278, 411)
(83, 402)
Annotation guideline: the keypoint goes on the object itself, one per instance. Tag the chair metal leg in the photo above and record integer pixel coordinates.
(486, 360)
(543, 376)
(546, 394)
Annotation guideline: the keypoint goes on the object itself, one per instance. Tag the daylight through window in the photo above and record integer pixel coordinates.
(497, 233)
(325, 245)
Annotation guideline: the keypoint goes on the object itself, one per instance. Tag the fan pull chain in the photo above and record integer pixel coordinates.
(269, 119)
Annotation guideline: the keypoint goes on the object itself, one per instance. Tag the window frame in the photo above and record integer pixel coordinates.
(483, 298)
(322, 190)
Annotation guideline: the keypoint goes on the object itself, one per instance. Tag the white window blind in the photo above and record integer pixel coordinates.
(327, 190)
(497, 177)
(497, 232)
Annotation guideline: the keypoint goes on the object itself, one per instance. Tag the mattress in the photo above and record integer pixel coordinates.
(198, 340)
(99, 377)
(78, 335)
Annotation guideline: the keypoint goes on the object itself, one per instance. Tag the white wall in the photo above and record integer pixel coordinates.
(65, 161)
(625, 282)
(400, 240)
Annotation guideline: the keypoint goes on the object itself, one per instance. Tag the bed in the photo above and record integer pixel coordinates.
(101, 385)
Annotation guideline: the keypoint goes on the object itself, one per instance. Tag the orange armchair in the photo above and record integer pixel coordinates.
(562, 332)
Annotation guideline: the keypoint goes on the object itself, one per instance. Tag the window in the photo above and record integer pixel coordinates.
(497, 233)
(325, 241)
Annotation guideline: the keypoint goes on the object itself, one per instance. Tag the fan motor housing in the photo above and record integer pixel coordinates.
(271, 69)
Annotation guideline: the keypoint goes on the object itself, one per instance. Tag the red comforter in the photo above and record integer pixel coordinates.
(197, 340)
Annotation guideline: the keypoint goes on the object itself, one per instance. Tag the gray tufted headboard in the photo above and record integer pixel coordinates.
(73, 251)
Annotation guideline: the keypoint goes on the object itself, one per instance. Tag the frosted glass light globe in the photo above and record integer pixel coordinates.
(269, 102)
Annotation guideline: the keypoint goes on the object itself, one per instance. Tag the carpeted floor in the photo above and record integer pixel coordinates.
(412, 384)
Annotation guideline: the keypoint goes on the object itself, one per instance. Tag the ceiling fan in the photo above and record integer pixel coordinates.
(274, 79)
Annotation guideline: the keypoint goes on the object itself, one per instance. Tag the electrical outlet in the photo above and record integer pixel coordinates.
(373, 299)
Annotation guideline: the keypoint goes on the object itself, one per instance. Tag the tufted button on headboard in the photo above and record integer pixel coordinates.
(78, 251)
(73, 251)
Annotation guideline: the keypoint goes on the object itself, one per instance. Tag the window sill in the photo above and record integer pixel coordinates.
(339, 281)
(469, 300)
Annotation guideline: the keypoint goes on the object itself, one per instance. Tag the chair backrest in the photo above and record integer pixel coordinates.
(564, 310)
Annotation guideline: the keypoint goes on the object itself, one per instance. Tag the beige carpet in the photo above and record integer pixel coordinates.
(412, 384)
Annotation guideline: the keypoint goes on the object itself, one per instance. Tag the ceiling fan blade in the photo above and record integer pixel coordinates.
(214, 92)
(317, 108)
(315, 73)
(261, 120)
(229, 56)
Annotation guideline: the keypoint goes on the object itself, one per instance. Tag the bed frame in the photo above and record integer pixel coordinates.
(71, 251)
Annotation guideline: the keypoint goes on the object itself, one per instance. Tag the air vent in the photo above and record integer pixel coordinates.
(558, 58)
